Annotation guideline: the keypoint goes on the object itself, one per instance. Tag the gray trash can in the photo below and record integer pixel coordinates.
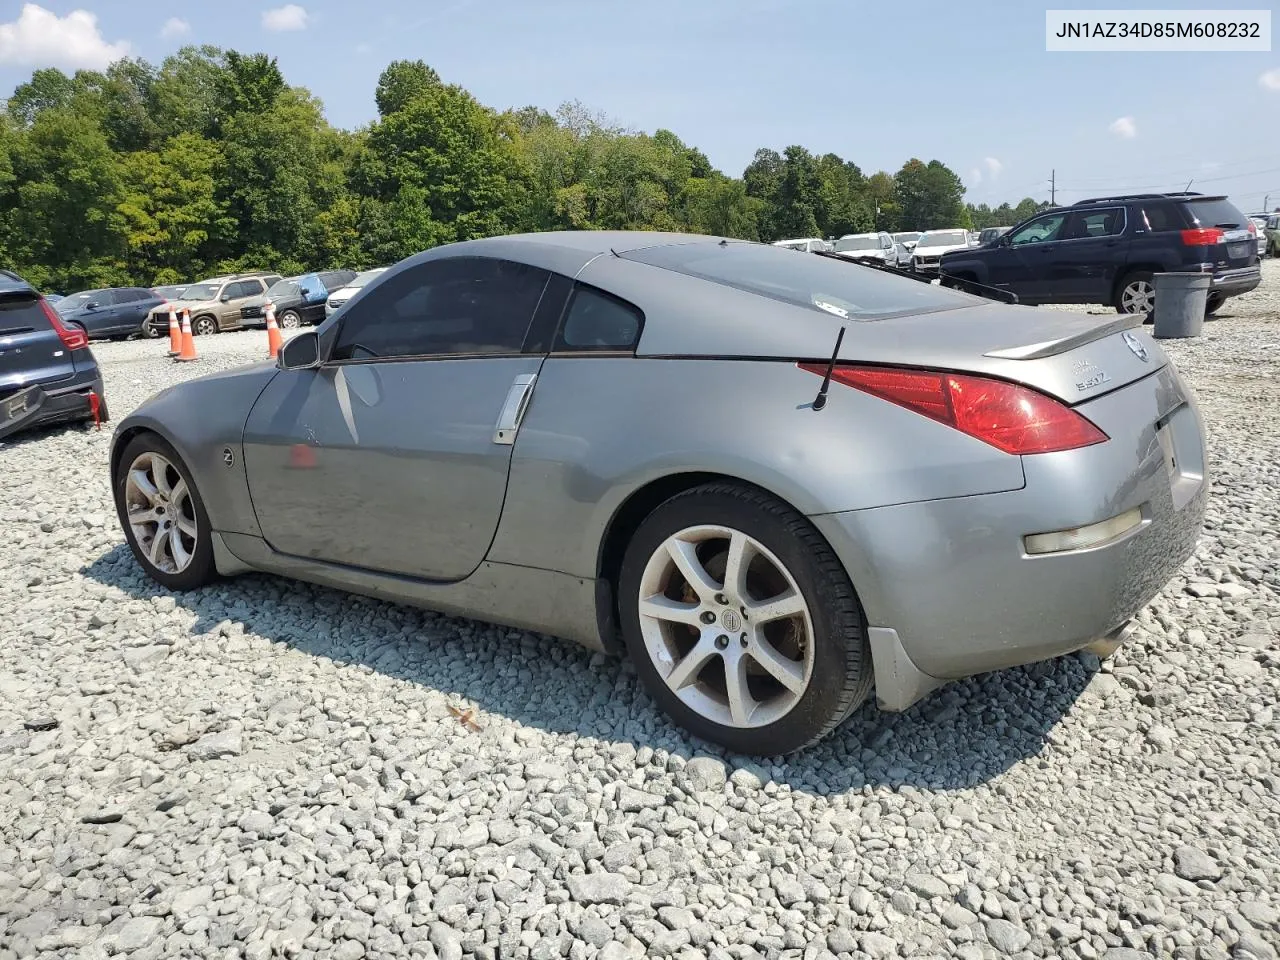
(1180, 303)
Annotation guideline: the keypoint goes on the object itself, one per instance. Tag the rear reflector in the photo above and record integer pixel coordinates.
(1010, 417)
(71, 339)
(1203, 237)
(1081, 538)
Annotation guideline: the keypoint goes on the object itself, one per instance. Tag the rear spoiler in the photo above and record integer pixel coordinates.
(946, 280)
(1049, 348)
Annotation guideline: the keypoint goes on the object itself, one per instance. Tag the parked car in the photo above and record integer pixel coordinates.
(497, 429)
(869, 246)
(1259, 222)
(1107, 250)
(343, 294)
(48, 374)
(908, 239)
(808, 244)
(987, 234)
(52, 297)
(902, 255)
(1273, 234)
(297, 300)
(933, 244)
(214, 304)
(110, 312)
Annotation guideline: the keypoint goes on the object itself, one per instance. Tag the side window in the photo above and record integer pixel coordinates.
(137, 295)
(1094, 223)
(1161, 217)
(246, 288)
(1040, 231)
(459, 306)
(596, 320)
(108, 298)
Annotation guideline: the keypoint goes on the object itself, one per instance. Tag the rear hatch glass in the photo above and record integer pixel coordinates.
(1239, 247)
(832, 284)
(30, 349)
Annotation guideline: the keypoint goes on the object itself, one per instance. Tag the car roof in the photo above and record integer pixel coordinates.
(12, 283)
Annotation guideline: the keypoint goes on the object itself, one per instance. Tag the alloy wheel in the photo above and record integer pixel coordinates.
(726, 626)
(161, 513)
(289, 320)
(204, 327)
(1138, 297)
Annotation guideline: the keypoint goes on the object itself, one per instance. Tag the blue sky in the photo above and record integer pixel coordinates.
(967, 83)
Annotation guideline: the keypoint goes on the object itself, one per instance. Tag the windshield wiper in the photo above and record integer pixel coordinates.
(945, 280)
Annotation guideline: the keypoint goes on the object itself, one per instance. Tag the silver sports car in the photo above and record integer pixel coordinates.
(770, 480)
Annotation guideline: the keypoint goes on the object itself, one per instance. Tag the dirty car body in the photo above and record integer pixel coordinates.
(515, 470)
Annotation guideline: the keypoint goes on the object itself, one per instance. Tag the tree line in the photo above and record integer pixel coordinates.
(212, 163)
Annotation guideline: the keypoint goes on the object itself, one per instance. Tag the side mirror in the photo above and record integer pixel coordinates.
(302, 352)
(225, 298)
(91, 305)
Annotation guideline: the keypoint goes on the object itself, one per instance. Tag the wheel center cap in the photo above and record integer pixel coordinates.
(731, 620)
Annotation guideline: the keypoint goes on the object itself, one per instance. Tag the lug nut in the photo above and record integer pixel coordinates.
(708, 617)
(743, 641)
(722, 599)
(721, 642)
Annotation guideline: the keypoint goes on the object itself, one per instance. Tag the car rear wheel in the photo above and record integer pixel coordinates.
(1213, 303)
(290, 319)
(204, 326)
(1137, 294)
(741, 621)
(162, 514)
(149, 331)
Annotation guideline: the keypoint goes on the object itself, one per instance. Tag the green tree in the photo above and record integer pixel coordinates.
(401, 82)
(929, 196)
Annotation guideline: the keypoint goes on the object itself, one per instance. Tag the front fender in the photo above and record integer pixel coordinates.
(202, 419)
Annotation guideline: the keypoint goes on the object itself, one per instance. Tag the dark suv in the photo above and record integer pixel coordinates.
(47, 372)
(1107, 249)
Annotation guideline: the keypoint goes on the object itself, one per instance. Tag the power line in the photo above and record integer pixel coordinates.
(1184, 172)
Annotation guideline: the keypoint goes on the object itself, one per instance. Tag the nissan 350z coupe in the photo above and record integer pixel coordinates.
(770, 480)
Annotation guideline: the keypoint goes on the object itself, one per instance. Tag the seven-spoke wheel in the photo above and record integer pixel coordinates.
(741, 621)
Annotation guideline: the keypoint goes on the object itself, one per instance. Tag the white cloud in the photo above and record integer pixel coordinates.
(175, 27)
(994, 166)
(289, 17)
(40, 38)
(1270, 80)
(1124, 127)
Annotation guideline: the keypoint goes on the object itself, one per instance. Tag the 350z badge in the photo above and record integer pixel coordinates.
(1089, 376)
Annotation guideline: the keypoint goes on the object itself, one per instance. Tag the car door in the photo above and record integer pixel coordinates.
(234, 296)
(101, 313)
(1084, 264)
(135, 304)
(1019, 262)
(393, 454)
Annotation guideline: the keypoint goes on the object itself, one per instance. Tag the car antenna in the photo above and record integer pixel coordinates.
(820, 400)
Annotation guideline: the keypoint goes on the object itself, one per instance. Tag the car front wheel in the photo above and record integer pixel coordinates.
(290, 319)
(741, 621)
(163, 517)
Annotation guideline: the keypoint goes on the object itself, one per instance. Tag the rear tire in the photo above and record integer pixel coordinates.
(1212, 305)
(799, 669)
(171, 513)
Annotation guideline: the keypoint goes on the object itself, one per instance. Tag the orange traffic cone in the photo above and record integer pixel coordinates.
(302, 457)
(274, 339)
(188, 341)
(175, 333)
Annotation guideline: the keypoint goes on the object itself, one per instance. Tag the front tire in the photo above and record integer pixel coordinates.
(290, 320)
(741, 621)
(204, 326)
(163, 518)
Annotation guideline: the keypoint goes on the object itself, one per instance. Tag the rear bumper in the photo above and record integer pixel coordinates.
(45, 406)
(949, 590)
(1232, 283)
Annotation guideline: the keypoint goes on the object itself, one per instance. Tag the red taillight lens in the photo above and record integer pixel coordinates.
(1203, 236)
(1253, 229)
(71, 339)
(1010, 417)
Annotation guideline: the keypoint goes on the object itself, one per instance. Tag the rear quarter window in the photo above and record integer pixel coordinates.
(831, 284)
(1216, 213)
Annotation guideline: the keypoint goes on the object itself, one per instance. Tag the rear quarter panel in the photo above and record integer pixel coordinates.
(598, 429)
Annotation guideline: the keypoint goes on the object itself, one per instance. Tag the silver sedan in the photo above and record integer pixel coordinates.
(771, 481)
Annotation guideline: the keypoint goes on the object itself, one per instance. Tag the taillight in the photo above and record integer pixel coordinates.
(71, 339)
(1203, 236)
(1253, 229)
(1010, 417)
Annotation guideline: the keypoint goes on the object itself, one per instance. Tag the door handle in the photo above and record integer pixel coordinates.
(513, 409)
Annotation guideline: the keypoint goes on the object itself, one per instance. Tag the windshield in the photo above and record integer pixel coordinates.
(1216, 213)
(201, 291)
(830, 284)
(944, 238)
(77, 301)
(284, 288)
(908, 237)
(170, 292)
(857, 243)
(363, 278)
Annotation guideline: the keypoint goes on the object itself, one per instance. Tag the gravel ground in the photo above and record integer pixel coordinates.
(272, 769)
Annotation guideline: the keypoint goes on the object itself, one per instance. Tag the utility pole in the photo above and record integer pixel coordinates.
(1053, 187)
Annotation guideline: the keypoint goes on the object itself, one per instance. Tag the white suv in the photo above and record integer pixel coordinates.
(868, 246)
(933, 244)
